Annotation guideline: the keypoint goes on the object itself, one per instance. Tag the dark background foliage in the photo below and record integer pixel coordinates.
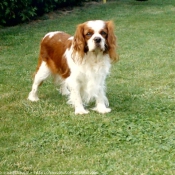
(13, 12)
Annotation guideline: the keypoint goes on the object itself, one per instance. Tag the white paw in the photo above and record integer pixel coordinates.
(64, 91)
(32, 97)
(81, 111)
(102, 110)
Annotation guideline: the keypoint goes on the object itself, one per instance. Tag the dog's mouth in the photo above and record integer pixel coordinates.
(96, 46)
(100, 47)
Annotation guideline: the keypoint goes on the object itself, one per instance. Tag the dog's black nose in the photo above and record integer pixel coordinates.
(97, 39)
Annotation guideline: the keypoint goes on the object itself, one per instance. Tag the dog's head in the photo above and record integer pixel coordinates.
(95, 36)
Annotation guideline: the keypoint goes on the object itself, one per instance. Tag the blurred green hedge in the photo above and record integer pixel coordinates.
(13, 12)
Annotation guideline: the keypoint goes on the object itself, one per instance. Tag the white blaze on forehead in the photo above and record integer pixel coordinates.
(96, 25)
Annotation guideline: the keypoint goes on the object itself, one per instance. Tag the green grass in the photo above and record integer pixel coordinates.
(137, 137)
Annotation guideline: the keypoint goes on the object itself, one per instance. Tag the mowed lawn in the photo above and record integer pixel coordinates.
(137, 137)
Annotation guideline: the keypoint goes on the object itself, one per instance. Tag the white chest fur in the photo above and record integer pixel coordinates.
(88, 77)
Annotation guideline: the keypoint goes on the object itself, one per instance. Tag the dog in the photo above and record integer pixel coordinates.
(80, 63)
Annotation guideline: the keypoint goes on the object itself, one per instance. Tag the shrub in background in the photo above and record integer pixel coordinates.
(13, 12)
(16, 11)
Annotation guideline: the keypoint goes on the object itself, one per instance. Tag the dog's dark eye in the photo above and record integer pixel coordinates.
(103, 33)
(89, 34)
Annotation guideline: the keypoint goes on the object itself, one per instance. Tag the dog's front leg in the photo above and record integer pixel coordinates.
(75, 96)
(102, 103)
(77, 101)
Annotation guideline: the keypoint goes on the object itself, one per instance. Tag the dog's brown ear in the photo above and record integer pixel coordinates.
(79, 43)
(111, 40)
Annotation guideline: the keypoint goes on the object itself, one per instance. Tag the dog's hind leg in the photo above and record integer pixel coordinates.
(42, 74)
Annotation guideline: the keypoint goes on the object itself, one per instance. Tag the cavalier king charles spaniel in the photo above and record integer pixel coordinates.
(80, 63)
